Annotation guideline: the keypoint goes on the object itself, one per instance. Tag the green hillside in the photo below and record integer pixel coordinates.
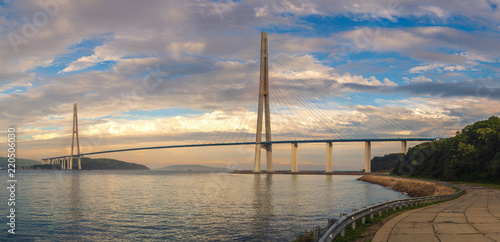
(472, 155)
(386, 162)
(110, 164)
(19, 162)
(99, 164)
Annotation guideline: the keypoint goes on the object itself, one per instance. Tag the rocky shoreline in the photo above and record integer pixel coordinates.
(413, 188)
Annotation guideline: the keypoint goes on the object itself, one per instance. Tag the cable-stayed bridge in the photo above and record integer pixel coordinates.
(292, 108)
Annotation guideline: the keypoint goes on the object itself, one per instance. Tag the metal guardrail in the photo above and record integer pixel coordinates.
(337, 227)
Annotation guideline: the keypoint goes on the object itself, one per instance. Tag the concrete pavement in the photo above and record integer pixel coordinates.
(473, 217)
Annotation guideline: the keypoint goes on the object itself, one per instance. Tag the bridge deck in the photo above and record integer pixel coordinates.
(252, 143)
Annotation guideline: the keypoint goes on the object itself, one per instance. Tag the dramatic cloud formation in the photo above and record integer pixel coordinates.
(171, 72)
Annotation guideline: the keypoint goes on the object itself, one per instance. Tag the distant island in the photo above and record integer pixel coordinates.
(95, 164)
(20, 163)
(473, 155)
(193, 168)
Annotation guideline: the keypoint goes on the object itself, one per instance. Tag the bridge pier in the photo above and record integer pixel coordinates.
(269, 157)
(403, 147)
(256, 163)
(295, 149)
(368, 156)
(329, 157)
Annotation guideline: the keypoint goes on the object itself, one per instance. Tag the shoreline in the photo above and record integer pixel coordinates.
(413, 188)
(304, 172)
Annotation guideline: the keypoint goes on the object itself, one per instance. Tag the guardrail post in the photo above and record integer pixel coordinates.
(316, 234)
(331, 221)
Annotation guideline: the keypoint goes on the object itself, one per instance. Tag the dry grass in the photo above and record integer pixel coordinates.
(411, 187)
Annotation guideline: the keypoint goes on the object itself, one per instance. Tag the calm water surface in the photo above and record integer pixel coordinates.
(154, 205)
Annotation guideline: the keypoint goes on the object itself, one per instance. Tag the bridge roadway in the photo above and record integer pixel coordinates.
(251, 143)
(62, 159)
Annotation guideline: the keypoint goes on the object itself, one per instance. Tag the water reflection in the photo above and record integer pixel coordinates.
(74, 215)
(262, 204)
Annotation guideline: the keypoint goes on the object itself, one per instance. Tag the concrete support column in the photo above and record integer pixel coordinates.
(329, 157)
(295, 148)
(269, 157)
(63, 163)
(256, 164)
(403, 147)
(368, 156)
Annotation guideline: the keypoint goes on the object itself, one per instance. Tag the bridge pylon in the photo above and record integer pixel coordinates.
(75, 132)
(263, 106)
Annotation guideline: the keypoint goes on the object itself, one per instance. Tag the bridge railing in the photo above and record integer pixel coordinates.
(337, 227)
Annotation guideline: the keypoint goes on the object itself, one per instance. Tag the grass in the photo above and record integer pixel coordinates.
(351, 234)
(489, 185)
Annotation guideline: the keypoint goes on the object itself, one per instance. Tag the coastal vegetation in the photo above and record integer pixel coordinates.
(385, 163)
(472, 155)
(109, 164)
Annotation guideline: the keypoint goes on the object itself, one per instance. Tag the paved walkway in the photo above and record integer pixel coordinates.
(473, 217)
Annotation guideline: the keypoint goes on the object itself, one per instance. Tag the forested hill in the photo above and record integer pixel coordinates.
(386, 162)
(99, 164)
(110, 164)
(472, 155)
(19, 162)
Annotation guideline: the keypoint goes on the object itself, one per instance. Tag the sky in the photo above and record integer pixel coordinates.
(184, 72)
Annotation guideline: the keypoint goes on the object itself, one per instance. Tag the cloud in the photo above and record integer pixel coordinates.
(101, 54)
(417, 79)
(435, 46)
(435, 10)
